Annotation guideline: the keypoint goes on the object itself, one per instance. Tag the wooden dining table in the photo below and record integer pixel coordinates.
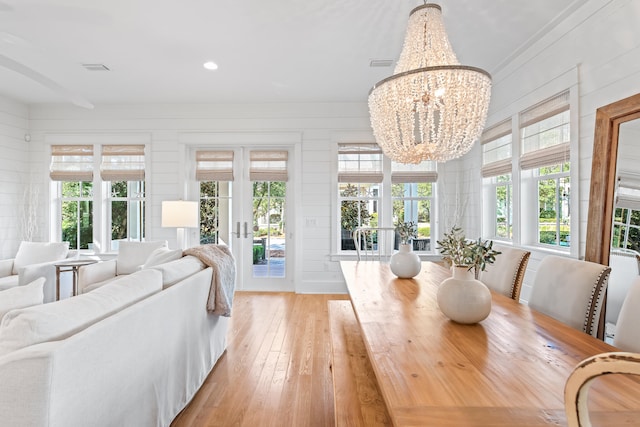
(508, 370)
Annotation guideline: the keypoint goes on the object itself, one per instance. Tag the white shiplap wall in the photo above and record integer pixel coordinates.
(14, 174)
(601, 42)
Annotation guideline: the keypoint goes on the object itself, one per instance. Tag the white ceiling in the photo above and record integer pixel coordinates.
(267, 51)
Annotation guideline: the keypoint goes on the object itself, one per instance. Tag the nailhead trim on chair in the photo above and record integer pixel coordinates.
(591, 318)
(518, 276)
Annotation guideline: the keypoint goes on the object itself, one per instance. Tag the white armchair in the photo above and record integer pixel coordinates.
(33, 260)
(131, 257)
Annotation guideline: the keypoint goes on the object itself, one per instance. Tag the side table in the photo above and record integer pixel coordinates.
(73, 267)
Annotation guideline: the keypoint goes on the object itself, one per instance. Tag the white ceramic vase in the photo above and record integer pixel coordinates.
(405, 263)
(464, 299)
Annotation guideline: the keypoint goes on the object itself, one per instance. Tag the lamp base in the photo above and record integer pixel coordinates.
(180, 238)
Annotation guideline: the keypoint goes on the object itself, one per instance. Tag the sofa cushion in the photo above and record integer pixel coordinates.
(39, 252)
(22, 296)
(175, 271)
(132, 255)
(62, 319)
(161, 256)
(9, 282)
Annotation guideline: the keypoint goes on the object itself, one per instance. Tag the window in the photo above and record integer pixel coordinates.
(545, 138)
(268, 174)
(626, 220)
(118, 194)
(72, 167)
(363, 176)
(77, 213)
(496, 173)
(126, 202)
(123, 171)
(553, 204)
(214, 171)
(413, 198)
(359, 189)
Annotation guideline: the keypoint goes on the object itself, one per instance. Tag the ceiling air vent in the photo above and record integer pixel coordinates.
(96, 67)
(381, 63)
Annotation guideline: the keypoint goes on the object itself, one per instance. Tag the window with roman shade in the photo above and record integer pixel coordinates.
(360, 163)
(71, 163)
(496, 149)
(268, 166)
(122, 163)
(545, 133)
(214, 165)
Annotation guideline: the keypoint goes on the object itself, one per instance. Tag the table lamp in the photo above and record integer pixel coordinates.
(180, 214)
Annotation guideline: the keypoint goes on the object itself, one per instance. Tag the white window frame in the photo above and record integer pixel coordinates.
(60, 200)
(131, 197)
(524, 189)
(384, 202)
(101, 197)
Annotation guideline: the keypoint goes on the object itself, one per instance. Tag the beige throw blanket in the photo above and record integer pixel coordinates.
(223, 281)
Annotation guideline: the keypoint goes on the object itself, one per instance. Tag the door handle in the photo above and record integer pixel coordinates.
(237, 233)
(246, 230)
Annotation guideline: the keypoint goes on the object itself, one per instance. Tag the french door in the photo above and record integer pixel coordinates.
(251, 214)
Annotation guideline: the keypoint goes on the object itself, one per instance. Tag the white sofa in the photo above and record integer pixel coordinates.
(130, 353)
(132, 257)
(34, 260)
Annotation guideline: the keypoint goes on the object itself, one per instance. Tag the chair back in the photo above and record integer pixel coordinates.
(506, 273)
(627, 336)
(577, 386)
(624, 270)
(374, 243)
(570, 291)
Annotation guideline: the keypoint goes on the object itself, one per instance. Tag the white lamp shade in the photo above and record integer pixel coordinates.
(180, 213)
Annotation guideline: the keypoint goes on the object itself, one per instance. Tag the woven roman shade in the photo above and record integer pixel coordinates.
(71, 163)
(545, 133)
(409, 173)
(496, 149)
(268, 166)
(546, 157)
(122, 163)
(214, 165)
(360, 163)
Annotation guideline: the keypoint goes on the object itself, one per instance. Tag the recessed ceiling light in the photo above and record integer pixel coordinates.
(210, 65)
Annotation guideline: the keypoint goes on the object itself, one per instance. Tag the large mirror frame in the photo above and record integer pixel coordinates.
(603, 175)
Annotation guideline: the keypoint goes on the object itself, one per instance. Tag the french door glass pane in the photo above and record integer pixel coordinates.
(269, 228)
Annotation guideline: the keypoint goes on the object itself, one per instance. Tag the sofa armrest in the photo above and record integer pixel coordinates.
(29, 273)
(6, 267)
(94, 273)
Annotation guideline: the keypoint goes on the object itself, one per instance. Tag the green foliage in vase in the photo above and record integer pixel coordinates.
(457, 250)
(407, 231)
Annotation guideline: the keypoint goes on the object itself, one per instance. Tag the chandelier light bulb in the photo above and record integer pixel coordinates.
(431, 108)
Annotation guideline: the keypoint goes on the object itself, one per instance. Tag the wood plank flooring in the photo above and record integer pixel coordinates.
(275, 371)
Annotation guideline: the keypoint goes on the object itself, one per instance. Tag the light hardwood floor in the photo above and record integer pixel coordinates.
(275, 371)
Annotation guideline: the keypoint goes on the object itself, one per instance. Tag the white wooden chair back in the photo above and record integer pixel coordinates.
(374, 243)
(576, 389)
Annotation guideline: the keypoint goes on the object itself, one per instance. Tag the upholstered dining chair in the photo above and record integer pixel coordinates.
(570, 291)
(577, 386)
(627, 337)
(506, 273)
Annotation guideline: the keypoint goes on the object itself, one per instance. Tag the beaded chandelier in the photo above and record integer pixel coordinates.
(431, 108)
